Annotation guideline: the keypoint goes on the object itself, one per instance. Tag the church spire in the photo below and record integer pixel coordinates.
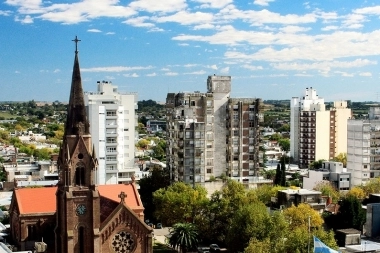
(77, 122)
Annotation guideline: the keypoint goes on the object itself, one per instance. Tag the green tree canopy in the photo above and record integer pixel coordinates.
(179, 203)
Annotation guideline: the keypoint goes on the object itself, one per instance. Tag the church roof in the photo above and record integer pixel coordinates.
(132, 199)
(36, 200)
(43, 200)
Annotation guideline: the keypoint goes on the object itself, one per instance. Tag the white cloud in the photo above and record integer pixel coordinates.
(303, 75)
(262, 2)
(183, 44)
(165, 69)
(17, 72)
(257, 18)
(159, 6)
(345, 74)
(152, 74)
(373, 10)
(94, 31)
(56, 71)
(131, 75)
(190, 65)
(330, 28)
(115, 69)
(204, 26)
(326, 65)
(110, 33)
(294, 29)
(5, 13)
(213, 3)
(225, 70)
(171, 74)
(212, 67)
(71, 13)
(200, 72)
(365, 74)
(251, 67)
(25, 20)
(139, 22)
(186, 18)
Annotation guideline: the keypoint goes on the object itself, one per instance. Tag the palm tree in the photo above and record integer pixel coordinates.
(184, 236)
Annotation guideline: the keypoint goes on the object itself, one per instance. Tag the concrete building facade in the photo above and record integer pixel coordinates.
(363, 148)
(210, 134)
(113, 119)
(317, 133)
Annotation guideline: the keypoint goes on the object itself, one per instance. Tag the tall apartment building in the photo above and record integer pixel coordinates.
(210, 134)
(363, 147)
(113, 120)
(317, 133)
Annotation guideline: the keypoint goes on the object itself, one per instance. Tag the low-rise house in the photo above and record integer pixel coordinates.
(287, 198)
(331, 172)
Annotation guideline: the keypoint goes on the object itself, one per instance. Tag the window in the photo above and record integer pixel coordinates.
(111, 149)
(111, 140)
(111, 158)
(111, 113)
(192, 103)
(209, 102)
(209, 162)
(209, 171)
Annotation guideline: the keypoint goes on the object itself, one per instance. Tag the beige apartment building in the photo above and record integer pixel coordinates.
(317, 133)
(211, 135)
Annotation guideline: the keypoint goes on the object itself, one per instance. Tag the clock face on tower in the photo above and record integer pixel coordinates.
(81, 209)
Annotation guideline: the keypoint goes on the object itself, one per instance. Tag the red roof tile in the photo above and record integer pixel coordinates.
(112, 192)
(36, 200)
(43, 200)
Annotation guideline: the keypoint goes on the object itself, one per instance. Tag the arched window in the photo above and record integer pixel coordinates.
(80, 174)
(81, 239)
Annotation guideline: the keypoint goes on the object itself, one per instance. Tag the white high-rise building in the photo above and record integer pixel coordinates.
(317, 133)
(112, 117)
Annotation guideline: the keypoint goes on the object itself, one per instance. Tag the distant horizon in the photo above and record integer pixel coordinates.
(270, 48)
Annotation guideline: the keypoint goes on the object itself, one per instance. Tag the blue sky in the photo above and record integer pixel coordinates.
(272, 49)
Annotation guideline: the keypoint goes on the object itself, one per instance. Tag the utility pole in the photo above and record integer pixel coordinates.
(308, 240)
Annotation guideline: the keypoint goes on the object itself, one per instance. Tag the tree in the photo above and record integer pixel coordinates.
(179, 203)
(184, 236)
(216, 219)
(277, 178)
(341, 157)
(283, 173)
(143, 144)
(356, 192)
(266, 192)
(284, 144)
(327, 189)
(372, 186)
(316, 164)
(249, 221)
(350, 214)
(298, 236)
(158, 179)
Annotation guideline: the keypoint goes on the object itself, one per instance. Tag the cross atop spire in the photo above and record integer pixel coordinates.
(76, 43)
(122, 196)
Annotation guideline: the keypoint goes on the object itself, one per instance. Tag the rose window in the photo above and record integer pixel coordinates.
(123, 242)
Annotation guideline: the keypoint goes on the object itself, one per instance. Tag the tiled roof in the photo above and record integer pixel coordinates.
(43, 200)
(112, 192)
(36, 200)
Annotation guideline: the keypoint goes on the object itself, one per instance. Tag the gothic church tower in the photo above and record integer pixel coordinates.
(78, 202)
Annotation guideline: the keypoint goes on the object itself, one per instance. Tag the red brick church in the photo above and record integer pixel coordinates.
(77, 215)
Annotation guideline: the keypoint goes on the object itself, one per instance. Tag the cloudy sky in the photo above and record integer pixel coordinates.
(272, 49)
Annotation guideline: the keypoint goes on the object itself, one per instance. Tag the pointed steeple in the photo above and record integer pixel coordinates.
(76, 122)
